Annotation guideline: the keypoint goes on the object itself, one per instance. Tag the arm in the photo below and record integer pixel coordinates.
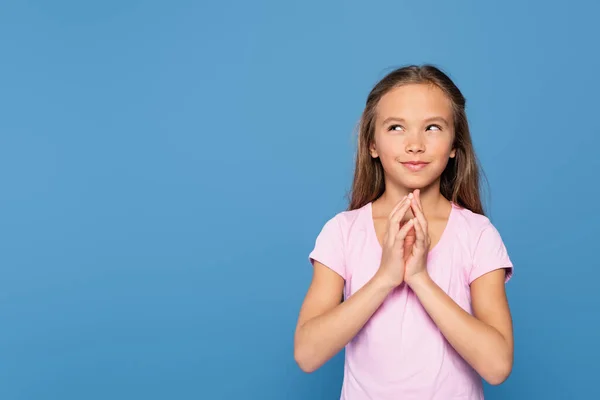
(324, 325)
(485, 339)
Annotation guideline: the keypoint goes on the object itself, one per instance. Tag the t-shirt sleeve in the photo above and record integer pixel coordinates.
(490, 254)
(329, 248)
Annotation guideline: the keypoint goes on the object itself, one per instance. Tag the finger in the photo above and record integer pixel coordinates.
(401, 235)
(394, 221)
(396, 207)
(398, 212)
(419, 214)
(420, 240)
(418, 197)
(409, 240)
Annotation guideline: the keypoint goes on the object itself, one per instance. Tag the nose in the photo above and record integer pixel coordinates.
(415, 145)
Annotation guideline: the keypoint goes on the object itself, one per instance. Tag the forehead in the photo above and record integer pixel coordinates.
(415, 102)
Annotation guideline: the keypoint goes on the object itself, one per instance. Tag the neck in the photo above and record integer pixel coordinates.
(431, 198)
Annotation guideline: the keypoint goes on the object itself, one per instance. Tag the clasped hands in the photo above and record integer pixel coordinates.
(406, 243)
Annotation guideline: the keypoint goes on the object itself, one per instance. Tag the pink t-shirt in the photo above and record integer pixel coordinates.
(400, 353)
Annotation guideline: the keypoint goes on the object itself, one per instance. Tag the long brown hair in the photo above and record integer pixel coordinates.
(460, 181)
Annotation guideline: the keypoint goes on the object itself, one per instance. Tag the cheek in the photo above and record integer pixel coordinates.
(439, 147)
(387, 148)
(389, 155)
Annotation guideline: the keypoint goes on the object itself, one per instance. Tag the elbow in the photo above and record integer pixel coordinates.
(498, 373)
(305, 360)
(306, 367)
(304, 364)
(497, 379)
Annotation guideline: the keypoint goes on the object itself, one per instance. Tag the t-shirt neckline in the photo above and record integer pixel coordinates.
(372, 233)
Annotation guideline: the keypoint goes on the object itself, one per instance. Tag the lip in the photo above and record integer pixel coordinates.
(415, 165)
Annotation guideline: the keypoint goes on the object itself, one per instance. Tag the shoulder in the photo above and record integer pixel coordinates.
(349, 219)
(470, 220)
(470, 225)
(334, 238)
(475, 231)
(343, 228)
(483, 241)
(346, 221)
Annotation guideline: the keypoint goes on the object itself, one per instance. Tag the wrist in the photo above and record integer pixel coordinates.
(418, 280)
(382, 282)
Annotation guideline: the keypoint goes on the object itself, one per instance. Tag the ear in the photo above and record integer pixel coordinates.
(373, 150)
(453, 153)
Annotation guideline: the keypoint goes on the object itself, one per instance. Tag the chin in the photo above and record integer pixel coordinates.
(413, 183)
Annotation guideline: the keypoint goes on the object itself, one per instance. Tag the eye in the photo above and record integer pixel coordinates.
(395, 127)
(439, 128)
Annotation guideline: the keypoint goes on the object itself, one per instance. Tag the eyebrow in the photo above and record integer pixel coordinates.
(430, 119)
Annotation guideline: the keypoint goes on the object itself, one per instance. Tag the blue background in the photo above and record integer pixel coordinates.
(166, 167)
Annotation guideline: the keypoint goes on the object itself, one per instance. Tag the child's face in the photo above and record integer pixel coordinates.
(413, 147)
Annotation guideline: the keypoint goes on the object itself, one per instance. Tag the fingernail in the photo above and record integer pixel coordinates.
(410, 195)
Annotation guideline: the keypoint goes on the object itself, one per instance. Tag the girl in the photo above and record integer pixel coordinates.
(420, 269)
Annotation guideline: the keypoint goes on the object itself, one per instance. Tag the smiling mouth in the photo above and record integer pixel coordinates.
(415, 165)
